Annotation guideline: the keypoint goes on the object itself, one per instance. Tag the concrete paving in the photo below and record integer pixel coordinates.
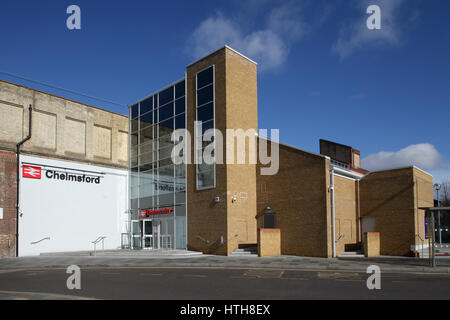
(166, 259)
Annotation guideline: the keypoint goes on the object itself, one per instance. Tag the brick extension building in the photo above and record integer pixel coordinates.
(214, 209)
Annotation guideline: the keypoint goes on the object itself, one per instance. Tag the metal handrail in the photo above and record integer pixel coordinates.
(102, 239)
(36, 242)
(423, 241)
(340, 237)
(202, 239)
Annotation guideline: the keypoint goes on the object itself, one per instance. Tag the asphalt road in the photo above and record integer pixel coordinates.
(213, 283)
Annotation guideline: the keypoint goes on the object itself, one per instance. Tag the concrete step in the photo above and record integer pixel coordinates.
(248, 251)
(120, 253)
(351, 254)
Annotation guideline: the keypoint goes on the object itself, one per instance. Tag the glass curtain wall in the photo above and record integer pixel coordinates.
(155, 181)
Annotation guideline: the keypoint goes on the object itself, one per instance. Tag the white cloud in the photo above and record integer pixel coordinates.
(356, 35)
(424, 155)
(268, 46)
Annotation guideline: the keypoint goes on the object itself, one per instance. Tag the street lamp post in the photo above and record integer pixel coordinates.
(438, 187)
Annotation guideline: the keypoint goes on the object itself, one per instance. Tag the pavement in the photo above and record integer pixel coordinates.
(194, 260)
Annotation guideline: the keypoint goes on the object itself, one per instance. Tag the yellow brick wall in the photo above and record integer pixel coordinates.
(392, 197)
(371, 244)
(269, 242)
(298, 195)
(235, 90)
(346, 214)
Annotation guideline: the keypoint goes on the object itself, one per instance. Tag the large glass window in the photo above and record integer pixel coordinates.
(155, 182)
(206, 174)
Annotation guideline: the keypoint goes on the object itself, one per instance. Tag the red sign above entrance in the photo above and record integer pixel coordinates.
(148, 212)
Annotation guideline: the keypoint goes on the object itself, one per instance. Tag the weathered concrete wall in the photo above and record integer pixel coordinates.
(269, 242)
(7, 203)
(62, 128)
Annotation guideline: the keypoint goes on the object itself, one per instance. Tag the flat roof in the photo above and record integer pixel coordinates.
(157, 91)
(435, 208)
(402, 168)
(67, 99)
(224, 47)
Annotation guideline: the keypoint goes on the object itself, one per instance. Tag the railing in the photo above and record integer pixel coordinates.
(202, 239)
(342, 236)
(225, 241)
(423, 241)
(36, 242)
(102, 239)
(339, 164)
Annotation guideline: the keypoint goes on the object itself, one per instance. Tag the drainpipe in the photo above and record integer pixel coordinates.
(30, 108)
(333, 219)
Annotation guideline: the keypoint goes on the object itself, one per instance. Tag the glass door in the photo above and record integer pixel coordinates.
(136, 234)
(147, 235)
(156, 234)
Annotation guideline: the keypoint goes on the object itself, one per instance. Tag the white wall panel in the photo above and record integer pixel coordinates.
(71, 213)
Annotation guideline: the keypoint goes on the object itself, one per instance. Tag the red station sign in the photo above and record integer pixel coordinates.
(147, 212)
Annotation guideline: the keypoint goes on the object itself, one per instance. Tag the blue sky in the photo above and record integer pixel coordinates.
(322, 73)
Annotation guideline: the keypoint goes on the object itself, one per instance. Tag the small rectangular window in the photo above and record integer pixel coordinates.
(205, 95)
(205, 112)
(205, 77)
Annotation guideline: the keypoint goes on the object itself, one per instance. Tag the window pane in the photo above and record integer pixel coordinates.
(205, 95)
(180, 170)
(155, 101)
(166, 96)
(134, 111)
(166, 127)
(180, 121)
(145, 167)
(167, 162)
(146, 106)
(205, 113)
(207, 125)
(147, 134)
(148, 147)
(146, 158)
(205, 77)
(205, 167)
(134, 162)
(146, 120)
(180, 106)
(180, 89)
(134, 125)
(146, 177)
(166, 173)
(165, 153)
(165, 112)
(205, 179)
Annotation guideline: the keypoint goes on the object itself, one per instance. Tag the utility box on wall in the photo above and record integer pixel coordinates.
(269, 242)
